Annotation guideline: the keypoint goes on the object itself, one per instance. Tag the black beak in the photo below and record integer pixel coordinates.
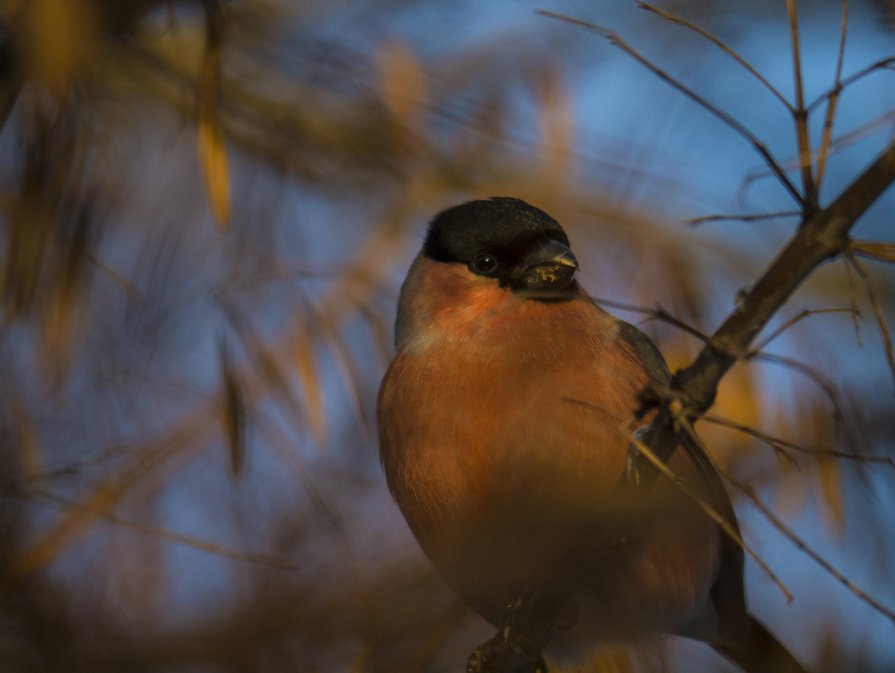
(547, 271)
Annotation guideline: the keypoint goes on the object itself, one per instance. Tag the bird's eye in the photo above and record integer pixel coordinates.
(484, 264)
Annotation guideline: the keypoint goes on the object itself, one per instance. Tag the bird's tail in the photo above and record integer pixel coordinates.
(758, 651)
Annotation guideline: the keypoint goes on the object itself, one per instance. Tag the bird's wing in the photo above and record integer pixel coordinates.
(727, 593)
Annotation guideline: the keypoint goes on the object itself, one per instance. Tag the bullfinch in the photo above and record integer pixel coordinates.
(503, 436)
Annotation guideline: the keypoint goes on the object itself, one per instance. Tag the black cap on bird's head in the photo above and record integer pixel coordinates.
(520, 246)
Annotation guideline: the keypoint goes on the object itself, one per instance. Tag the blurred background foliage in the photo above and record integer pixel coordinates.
(207, 209)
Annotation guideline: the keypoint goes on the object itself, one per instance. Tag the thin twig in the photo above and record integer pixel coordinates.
(882, 64)
(165, 534)
(674, 18)
(803, 546)
(707, 507)
(884, 121)
(657, 313)
(749, 217)
(782, 445)
(800, 115)
(877, 310)
(737, 127)
(833, 100)
(853, 300)
(799, 317)
(787, 531)
(823, 381)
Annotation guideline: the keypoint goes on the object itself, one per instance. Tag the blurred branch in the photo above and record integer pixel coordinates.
(674, 18)
(756, 217)
(616, 40)
(165, 534)
(103, 497)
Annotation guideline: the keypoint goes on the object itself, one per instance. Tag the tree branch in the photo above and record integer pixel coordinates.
(821, 236)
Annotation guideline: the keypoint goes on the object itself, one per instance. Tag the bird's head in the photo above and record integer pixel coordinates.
(513, 244)
(482, 261)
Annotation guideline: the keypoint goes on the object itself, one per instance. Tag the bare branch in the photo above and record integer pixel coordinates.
(800, 115)
(782, 446)
(741, 130)
(821, 236)
(787, 532)
(798, 318)
(833, 100)
(657, 313)
(883, 64)
(884, 121)
(749, 217)
(877, 310)
(674, 18)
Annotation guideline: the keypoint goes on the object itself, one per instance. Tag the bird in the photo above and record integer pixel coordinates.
(504, 424)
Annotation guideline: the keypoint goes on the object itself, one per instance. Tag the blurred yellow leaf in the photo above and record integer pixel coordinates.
(831, 491)
(612, 660)
(554, 103)
(61, 36)
(212, 150)
(402, 83)
(310, 384)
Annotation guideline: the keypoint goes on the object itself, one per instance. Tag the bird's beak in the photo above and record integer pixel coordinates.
(548, 269)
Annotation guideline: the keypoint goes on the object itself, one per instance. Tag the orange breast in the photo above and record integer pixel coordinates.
(501, 441)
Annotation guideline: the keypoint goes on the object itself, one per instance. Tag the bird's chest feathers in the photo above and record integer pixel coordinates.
(525, 400)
